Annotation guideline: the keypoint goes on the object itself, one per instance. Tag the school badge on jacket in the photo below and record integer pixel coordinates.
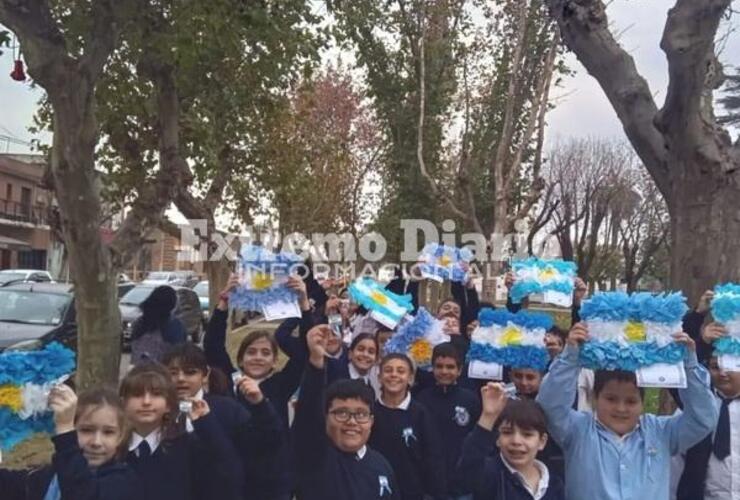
(462, 416)
(385, 487)
(408, 435)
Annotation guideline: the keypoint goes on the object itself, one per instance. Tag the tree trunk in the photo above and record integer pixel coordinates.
(705, 224)
(75, 182)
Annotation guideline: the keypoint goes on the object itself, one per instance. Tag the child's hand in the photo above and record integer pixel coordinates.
(296, 284)
(509, 280)
(316, 340)
(683, 338)
(332, 305)
(712, 332)
(63, 402)
(200, 409)
(493, 401)
(579, 291)
(250, 389)
(705, 301)
(578, 334)
(223, 304)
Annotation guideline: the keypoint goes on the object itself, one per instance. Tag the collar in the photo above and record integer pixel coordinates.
(361, 452)
(153, 439)
(541, 488)
(354, 374)
(199, 395)
(403, 406)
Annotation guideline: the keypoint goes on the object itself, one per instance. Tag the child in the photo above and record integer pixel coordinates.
(256, 435)
(360, 363)
(617, 453)
(710, 466)
(454, 410)
(88, 444)
(526, 382)
(258, 352)
(330, 435)
(509, 469)
(555, 341)
(404, 432)
(172, 464)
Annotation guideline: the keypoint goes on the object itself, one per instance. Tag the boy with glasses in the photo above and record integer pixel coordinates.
(330, 434)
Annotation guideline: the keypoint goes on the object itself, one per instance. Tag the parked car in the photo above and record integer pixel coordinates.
(8, 276)
(187, 310)
(34, 314)
(202, 290)
(177, 278)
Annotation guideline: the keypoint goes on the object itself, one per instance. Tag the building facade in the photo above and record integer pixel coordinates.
(25, 235)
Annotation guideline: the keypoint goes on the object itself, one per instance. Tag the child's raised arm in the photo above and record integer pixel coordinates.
(700, 413)
(559, 387)
(309, 427)
(214, 342)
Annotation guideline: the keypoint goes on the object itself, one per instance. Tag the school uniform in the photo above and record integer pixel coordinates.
(455, 411)
(343, 369)
(278, 387)
(323, 471)
(487, 474)
(603, 465)
(712, 467)
(192, 466)
(407, 437)
(69, 477)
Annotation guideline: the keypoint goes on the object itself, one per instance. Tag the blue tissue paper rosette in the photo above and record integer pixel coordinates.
(447, 263)
(537, 276)
(254, 259)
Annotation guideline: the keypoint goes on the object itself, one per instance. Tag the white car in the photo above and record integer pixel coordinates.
(8, 276)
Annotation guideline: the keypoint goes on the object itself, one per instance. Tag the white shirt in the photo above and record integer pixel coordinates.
(723, 476)
(403, 406)
(189, 423)
(541, 489)
(153, 439)
(585, 390)
(361, 452)
(371, 377)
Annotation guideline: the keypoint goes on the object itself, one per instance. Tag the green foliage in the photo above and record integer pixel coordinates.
(731, 99)
(4, 39)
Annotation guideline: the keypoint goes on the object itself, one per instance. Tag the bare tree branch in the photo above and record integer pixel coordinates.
(585, 30)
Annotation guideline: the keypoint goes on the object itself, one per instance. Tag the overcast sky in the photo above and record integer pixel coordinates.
(582, 108)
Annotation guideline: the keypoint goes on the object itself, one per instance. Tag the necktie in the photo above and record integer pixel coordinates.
(721, 444)
(145, 451)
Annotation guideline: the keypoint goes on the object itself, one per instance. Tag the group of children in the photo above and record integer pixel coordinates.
(343, 421)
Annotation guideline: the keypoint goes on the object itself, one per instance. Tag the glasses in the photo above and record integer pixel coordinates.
(343, 416)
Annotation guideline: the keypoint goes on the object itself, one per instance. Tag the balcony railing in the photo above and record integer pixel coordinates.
(22, 212)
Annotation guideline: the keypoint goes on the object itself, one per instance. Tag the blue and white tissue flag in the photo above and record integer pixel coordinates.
(262, 279)
(630, 332)
(445, 263)
(726, 310)
(554, 278)
(26, 378)
(417, 337)
(515, 340)
(385, 306)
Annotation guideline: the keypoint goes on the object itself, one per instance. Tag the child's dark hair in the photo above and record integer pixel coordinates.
(448, 300)
(363, 336)
(187, 355)
(603, 377)
(251, 338)
(559, 332)
(447, 350)
(397, 355)
(218, 383)
(348, 389)
(99, 397)
(525, 414)
(155, 311)
(153, 378)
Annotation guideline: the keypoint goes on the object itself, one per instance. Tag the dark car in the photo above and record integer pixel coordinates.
(187, 310)
(34, 314)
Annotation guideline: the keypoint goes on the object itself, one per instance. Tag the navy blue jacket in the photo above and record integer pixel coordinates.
(323, 471)
(486, 475)
(197, 466)
(410, 442)
(77, 481)
(455, 411)
(257, 438)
